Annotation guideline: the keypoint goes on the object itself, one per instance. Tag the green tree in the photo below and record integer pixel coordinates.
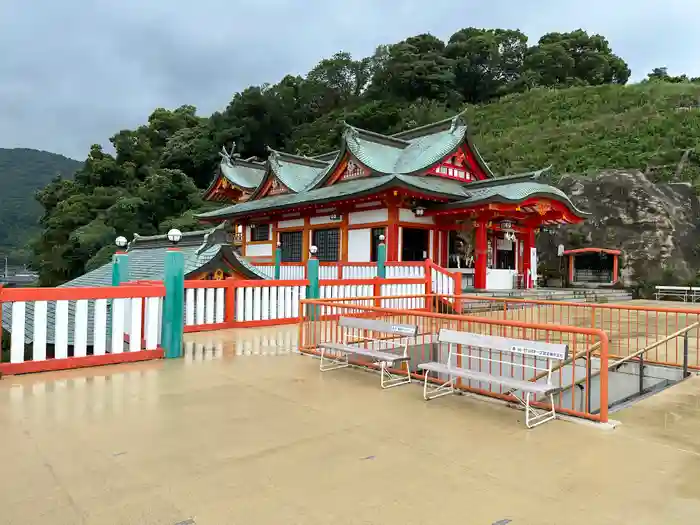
(575, 58)
(487, 63)
(415, 68)
(660, 74)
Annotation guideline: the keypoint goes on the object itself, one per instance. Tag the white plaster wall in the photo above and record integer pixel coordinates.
(322, 219)
(400, 243)
(359, 245)
(361, 217)
(408, 216)
(430, 246)
(499, 279)
(258, 250)
(291, 223)
(247, 234)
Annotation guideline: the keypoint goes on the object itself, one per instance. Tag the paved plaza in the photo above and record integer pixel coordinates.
(244, 431)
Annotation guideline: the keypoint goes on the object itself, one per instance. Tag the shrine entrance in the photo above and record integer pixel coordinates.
(414, 244)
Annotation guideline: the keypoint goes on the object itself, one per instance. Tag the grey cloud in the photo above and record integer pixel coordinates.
(75, 72)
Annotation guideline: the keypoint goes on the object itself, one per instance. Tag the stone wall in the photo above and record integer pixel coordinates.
(654, 224)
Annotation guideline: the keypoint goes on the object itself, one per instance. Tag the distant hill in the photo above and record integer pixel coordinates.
(22, 173)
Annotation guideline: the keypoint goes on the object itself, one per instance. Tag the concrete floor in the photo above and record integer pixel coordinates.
(242, 431)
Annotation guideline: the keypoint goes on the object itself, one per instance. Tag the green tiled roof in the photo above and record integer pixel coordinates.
(295, 172)
(391, 155)
(432, 185)
(246, 175)
(146, 262)
(513, 192)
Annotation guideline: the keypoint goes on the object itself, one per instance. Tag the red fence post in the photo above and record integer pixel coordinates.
(458, 292)
(230, 302)
(377, 292)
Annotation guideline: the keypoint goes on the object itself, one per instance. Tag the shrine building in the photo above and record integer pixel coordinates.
(428, 191)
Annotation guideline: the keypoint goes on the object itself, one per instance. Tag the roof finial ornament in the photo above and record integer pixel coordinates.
(458, 120)
(231, 155)
(351, 132)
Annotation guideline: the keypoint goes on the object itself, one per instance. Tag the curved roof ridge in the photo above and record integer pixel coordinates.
(191, 238)
(374, 136)
(434, 127)
(299, 159)
(509, 179)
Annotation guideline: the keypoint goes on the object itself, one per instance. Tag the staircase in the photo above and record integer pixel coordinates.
(574, 295)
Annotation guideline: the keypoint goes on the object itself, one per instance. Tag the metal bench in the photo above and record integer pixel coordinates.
(680, 292)
(466, 347)
(388, 346)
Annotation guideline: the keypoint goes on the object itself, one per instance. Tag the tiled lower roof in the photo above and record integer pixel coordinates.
(433, 185)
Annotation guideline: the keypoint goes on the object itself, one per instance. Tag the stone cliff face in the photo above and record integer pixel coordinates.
(655, 225)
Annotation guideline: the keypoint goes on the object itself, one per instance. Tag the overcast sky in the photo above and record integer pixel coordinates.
(73, 72)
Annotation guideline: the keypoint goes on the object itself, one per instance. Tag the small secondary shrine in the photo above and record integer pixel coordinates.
(427, 190)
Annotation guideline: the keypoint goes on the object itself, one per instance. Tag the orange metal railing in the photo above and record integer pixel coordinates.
(630, 328)
(584, 343)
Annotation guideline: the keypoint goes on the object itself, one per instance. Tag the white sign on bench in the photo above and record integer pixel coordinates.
(389, 345)
(468, 347)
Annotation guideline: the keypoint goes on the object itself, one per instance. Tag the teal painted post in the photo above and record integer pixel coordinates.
(381, 259)
(174, 303)
(120, 268)
(278, 261)
(313, 290)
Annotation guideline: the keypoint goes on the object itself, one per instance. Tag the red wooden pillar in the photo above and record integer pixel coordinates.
(615, 269)
(528, 243)
(481, 250)
(571, 269)
(392, 237)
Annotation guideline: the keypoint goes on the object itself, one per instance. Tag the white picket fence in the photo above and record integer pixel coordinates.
(265, 303)
(204, 306)
(97, 322)
(443, 283)
(344, 271)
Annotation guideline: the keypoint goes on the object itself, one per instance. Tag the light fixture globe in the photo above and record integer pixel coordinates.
(121, 241)
(313, 250)
(382, 238)
(279, 244)
(174, 236)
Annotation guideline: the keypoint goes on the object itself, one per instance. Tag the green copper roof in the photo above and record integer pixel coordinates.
(295, 172)
(392, 155)
(513, 192)
(431, 185)
(246, 175)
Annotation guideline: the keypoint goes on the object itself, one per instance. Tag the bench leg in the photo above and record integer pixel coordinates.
(444, 389)
(389, 380)
(534, 416)
(332, 363)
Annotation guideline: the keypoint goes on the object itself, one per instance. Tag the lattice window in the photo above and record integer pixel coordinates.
(260, 232)
(292, 246)
(328, 244)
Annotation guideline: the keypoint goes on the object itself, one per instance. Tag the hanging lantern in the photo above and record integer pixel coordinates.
(506, 225)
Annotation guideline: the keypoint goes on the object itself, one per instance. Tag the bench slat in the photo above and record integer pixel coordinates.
(518, 384)
(379, 326)
(374, 354)
(505, 344)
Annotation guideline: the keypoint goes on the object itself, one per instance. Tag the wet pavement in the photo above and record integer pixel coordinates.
(244, 431)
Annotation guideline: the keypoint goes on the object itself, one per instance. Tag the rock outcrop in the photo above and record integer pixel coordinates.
(654, 224)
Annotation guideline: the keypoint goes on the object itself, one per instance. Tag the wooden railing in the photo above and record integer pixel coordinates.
(61, 328)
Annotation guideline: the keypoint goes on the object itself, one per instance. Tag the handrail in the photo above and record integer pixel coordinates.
(628, 358)
(562, 364)
(680, 332)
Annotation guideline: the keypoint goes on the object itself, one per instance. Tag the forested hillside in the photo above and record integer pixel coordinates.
(22, 173)
(560, 101)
